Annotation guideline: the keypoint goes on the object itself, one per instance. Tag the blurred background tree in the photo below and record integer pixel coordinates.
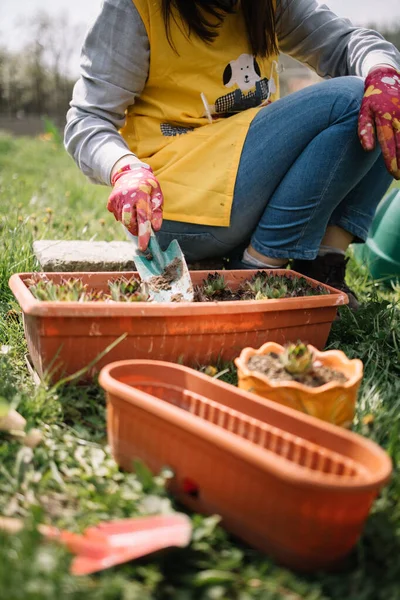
(392, 34)
(37, 80)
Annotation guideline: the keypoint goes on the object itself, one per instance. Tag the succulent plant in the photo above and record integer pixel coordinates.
(264, 287)
(256, 284)
(214, 286)
(276, 290)
(297, 358)
(68, 290)
(74, 290)
(128, 290)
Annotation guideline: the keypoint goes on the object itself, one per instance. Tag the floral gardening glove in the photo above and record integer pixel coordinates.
(137, 201)
(381, 109)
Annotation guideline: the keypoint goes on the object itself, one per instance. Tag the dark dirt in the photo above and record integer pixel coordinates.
(171, 273)
(225, 295)
(271, 366)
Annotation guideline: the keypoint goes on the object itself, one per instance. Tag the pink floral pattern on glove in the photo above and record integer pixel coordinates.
(381, 109)
(137, 201)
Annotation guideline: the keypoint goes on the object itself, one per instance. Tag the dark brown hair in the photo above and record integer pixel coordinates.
(204, 18)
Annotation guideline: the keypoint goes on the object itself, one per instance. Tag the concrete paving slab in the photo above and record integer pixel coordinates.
(73, 256)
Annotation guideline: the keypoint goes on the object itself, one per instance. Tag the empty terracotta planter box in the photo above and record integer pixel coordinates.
(64, 337)
(333, 402)
(288, 484)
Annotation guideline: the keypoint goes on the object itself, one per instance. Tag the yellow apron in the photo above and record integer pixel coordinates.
(170, 128)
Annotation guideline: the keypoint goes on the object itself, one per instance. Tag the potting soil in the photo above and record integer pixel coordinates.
(271, 366)
(170, 274)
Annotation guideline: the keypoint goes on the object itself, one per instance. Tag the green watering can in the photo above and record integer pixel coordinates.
(381, 251)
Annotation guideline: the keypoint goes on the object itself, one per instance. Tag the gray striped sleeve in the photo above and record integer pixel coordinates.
(114, 68)
(330, 45)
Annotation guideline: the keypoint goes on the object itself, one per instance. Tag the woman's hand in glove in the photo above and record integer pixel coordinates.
(137, 201)
(380, 109)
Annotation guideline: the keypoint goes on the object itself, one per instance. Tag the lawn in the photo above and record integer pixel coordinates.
(71, 480)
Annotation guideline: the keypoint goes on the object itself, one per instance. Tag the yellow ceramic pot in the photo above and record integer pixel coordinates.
(333, 402)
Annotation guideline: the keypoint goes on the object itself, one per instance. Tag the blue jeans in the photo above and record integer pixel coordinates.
(302, 169)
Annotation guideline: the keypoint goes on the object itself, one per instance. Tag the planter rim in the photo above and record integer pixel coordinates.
(31, 306)
(242, 448)
(268, 347)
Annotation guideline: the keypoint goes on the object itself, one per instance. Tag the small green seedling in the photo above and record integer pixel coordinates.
(297, 359)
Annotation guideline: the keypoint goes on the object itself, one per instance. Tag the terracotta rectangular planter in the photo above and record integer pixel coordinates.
(64, 337)
(286, 483)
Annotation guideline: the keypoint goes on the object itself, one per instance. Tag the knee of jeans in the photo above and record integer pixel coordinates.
(349, 92)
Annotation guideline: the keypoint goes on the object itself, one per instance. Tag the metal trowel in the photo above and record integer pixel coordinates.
(165, 272)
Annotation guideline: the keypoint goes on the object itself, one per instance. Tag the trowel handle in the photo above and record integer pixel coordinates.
(156, 252)
(153, 251)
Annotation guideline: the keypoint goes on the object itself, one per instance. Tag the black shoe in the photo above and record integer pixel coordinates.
(207, 264)
(235, 264)
(329, 269)
(239, 265)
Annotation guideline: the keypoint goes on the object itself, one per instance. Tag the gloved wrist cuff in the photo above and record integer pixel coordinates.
(126, 168)
(381, 71)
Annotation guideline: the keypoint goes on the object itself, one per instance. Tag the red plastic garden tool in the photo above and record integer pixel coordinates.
(113, 543)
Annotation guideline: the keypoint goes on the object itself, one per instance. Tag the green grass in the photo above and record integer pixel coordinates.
(71, 480)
